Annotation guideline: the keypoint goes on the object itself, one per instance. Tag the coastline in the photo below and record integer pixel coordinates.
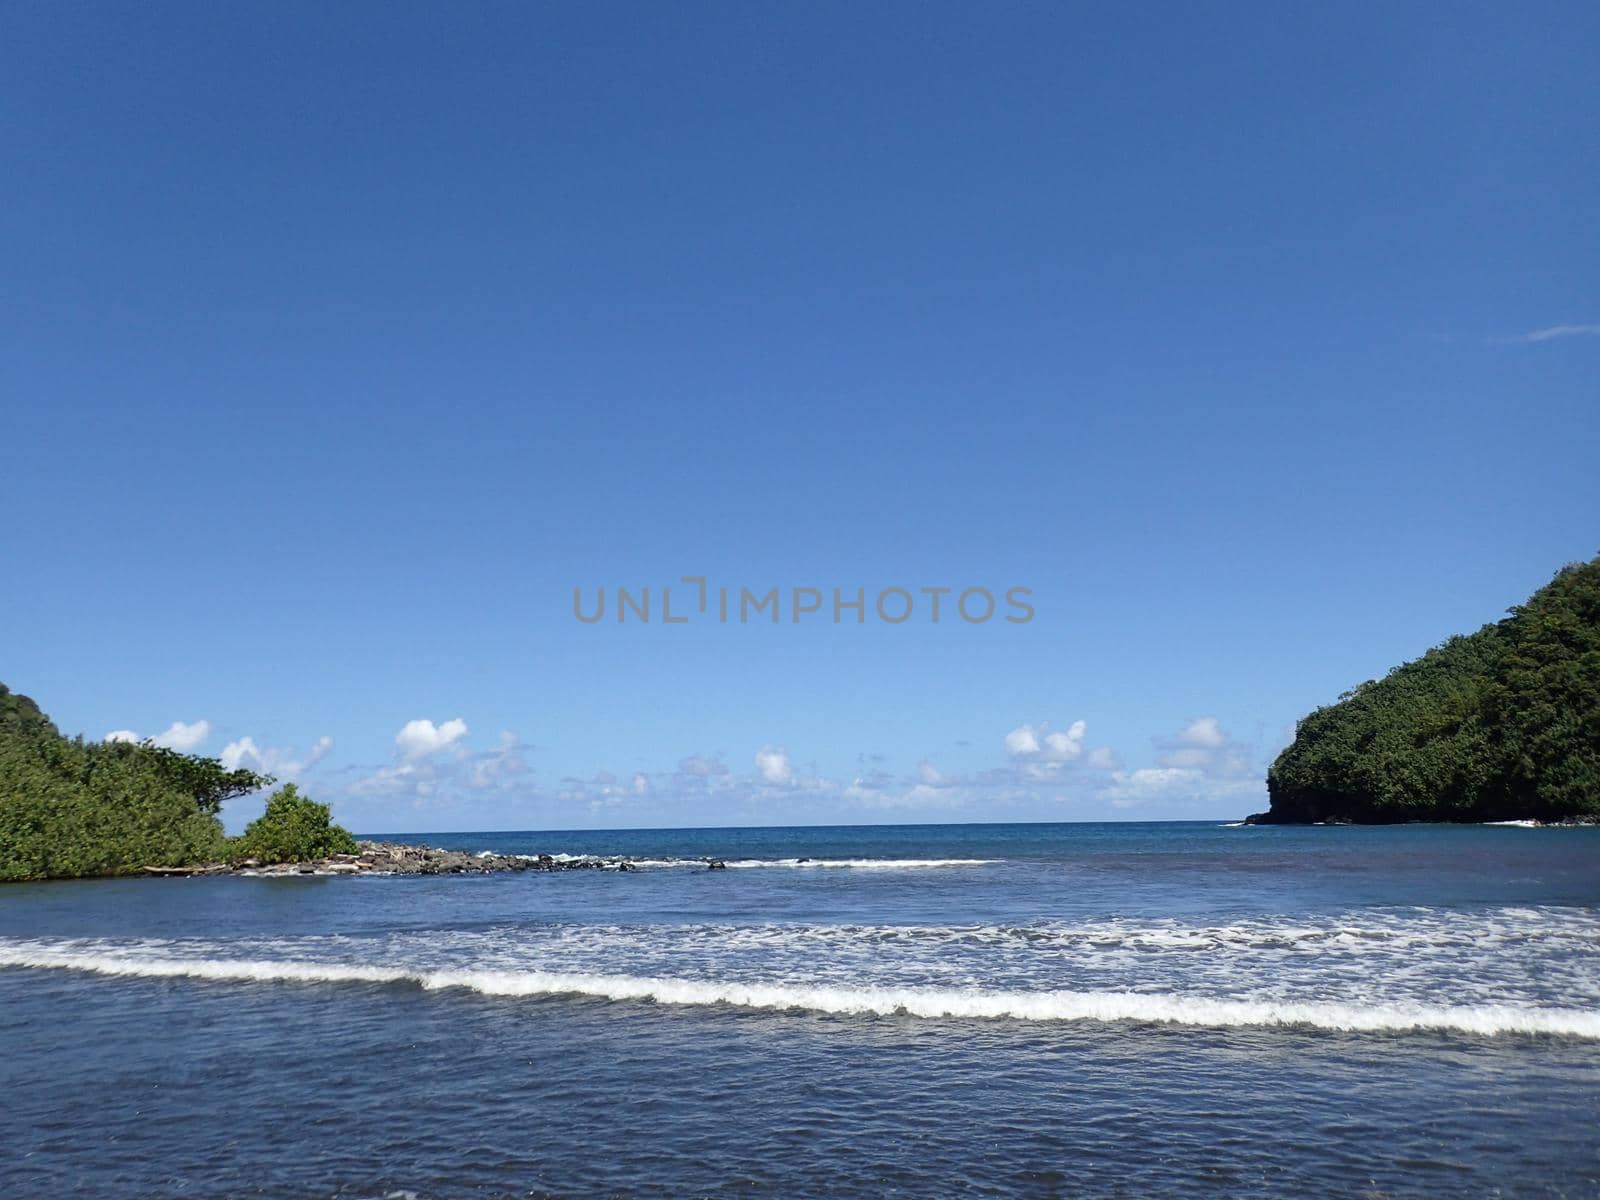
(1579, 822)
(397, 858)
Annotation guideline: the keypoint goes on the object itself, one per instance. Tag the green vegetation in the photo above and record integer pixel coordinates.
(1502, 724)
(294, 828)
(71, 808)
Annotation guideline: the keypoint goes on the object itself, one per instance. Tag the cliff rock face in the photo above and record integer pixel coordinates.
(1502, 724)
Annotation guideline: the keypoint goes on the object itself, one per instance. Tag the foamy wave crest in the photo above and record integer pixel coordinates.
(866, 864)
(861, 864)
(931, 1003)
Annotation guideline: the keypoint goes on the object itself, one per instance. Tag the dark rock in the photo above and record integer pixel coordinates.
(389, 858)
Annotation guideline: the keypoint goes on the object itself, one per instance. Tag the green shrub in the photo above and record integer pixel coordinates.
(294, 828)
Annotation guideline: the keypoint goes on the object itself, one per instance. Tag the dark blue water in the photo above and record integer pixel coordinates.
(1058, 1010)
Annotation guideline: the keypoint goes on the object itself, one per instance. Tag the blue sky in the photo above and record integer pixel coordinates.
(341, 343)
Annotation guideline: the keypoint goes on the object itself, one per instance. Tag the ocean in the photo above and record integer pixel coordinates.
(1066, 1010)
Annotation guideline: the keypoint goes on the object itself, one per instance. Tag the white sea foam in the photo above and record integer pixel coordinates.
(862, 864)
(866, 864)
(925, 1002)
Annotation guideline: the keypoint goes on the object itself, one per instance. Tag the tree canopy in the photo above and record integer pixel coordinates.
(1501, 724)
(70, 807)
(294, 828)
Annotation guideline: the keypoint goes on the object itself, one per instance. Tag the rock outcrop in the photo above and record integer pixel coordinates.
(395, 858)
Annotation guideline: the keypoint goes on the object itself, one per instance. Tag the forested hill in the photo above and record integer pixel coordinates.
(1502, 724)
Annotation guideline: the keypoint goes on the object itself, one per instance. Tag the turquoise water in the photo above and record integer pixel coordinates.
(1035, 1010)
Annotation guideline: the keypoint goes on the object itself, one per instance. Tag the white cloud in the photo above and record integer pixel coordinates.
(1549, 334)
(1196, 789)
(1130, 788)
(701, 767)
(1039, 743)
(1102, 758)
(1204, 746)
(1204, 732)
(1022, 740)
(917, 796)
(462, 779)
(773, 766)
(184, 736)
(499, 767)
(1197, 771)
(1064, 747)
(418, 739)
(393, 781)
(180, 735)
(283, 762)
(603, 791)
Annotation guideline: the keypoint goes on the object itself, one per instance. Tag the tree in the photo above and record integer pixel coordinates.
(20, 717)
(294, 828)
(73, 808)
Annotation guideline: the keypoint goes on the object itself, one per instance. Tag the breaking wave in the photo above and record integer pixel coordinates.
(861, 864)
(923, 1002)
(865, 864)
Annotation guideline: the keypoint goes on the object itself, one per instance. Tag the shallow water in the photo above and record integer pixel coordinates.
(1176, 1010)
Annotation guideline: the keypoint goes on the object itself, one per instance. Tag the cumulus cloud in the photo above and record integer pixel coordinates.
(463, 778)
(1045, 771)
(773, 766)
(1043, 744)
(180, 735)
(283, 762)
(1203, 745)
(420, 738)
(1200, 768)
(1064, 747)
(1022, 741)
(1040, 754)
(1205, 732)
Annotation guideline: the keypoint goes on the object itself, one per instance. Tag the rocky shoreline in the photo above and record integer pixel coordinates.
(394, 858)
(1267, 818)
